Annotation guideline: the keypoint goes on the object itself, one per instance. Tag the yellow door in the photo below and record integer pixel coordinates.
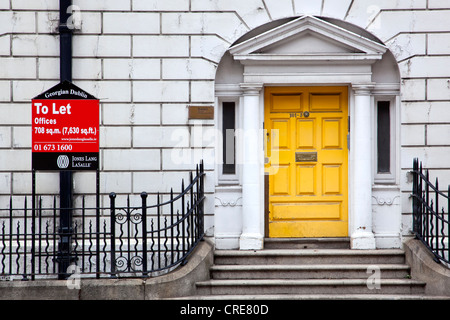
(307, 161)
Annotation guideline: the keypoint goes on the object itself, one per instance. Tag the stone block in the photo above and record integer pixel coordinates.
(188, 69)
(5, 183)
(83, 69)
(119, 182)
(5, 137)
(210, 47)
(17, 22)
(5, 45)
(5, 91)
(46, 182)
(413, 135)
(432, 157)
(18, 68)
(147, 114)
(335, 9)
(161, 91)
(363, 12)
(138, 114)
(111, 91)
(387, 24)
(47, 21)
(313, 7)
(17, 113)
(175, 114)
(131, 68)
(25, 90)
(91, 22)
(424, 67)
(437, 4)
(5, 4)
(413, 89)
(406, 45)
(115, 137)
(438, 43)
(252, 12)
(131, 23)
(160, 5)
(202, 91)
(48, 68)
(201, 23)
(34, 5)
(131, 159)
(22, 137)
(35, 45)
(154, 182)
(203, 136)
(278, 9)
(161, 137)
(438, 134)
(160, 46)
(102, 46)
(425, 112)
(103, 5)
(187, 158)
(438, 89)
(87, 69)
(84, 182)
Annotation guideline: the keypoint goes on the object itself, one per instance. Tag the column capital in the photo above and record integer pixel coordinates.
(363, 89)
(251, 88)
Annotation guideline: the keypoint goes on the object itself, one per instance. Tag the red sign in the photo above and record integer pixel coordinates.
(65, 125)
(65, 132)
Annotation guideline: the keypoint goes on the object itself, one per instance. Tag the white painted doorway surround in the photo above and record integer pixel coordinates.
(307, 51)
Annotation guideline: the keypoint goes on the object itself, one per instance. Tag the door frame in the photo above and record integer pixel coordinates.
(360, 159)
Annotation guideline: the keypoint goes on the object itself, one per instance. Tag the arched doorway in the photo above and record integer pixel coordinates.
(267, 81)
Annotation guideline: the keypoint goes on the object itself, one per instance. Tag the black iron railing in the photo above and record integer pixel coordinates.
(431, 209)
(124, 239)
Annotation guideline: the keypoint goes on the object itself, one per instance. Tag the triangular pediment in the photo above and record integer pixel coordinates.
(308, 38)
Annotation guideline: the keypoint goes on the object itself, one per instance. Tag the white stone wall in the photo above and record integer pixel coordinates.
(148, 60)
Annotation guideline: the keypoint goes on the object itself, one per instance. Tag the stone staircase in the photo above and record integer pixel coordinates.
(310, 269)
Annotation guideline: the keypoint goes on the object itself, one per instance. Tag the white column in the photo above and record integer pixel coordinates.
(362, 236)
(252, 237)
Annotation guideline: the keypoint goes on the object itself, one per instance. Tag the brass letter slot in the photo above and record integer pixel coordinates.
(305, 156)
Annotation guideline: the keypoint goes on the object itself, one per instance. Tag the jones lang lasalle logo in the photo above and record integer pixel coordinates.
(63, 161)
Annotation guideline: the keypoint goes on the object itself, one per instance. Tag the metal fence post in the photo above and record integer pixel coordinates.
(144, 234)
(112, 199)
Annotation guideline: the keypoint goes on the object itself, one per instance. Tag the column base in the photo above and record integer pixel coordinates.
(251, 241)
(227, 241)
(363, 241)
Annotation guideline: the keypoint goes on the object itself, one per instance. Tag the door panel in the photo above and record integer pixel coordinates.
(306, 178)
(305, 134)
(307, 161)
(331, 133)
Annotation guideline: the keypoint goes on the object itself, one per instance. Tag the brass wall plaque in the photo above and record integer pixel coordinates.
(201, 112)
(305, 156)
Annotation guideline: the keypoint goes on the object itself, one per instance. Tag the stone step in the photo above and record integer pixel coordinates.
(308, 286)
(307, 243)
(323, 271)
(308, 256)
(233, 297)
